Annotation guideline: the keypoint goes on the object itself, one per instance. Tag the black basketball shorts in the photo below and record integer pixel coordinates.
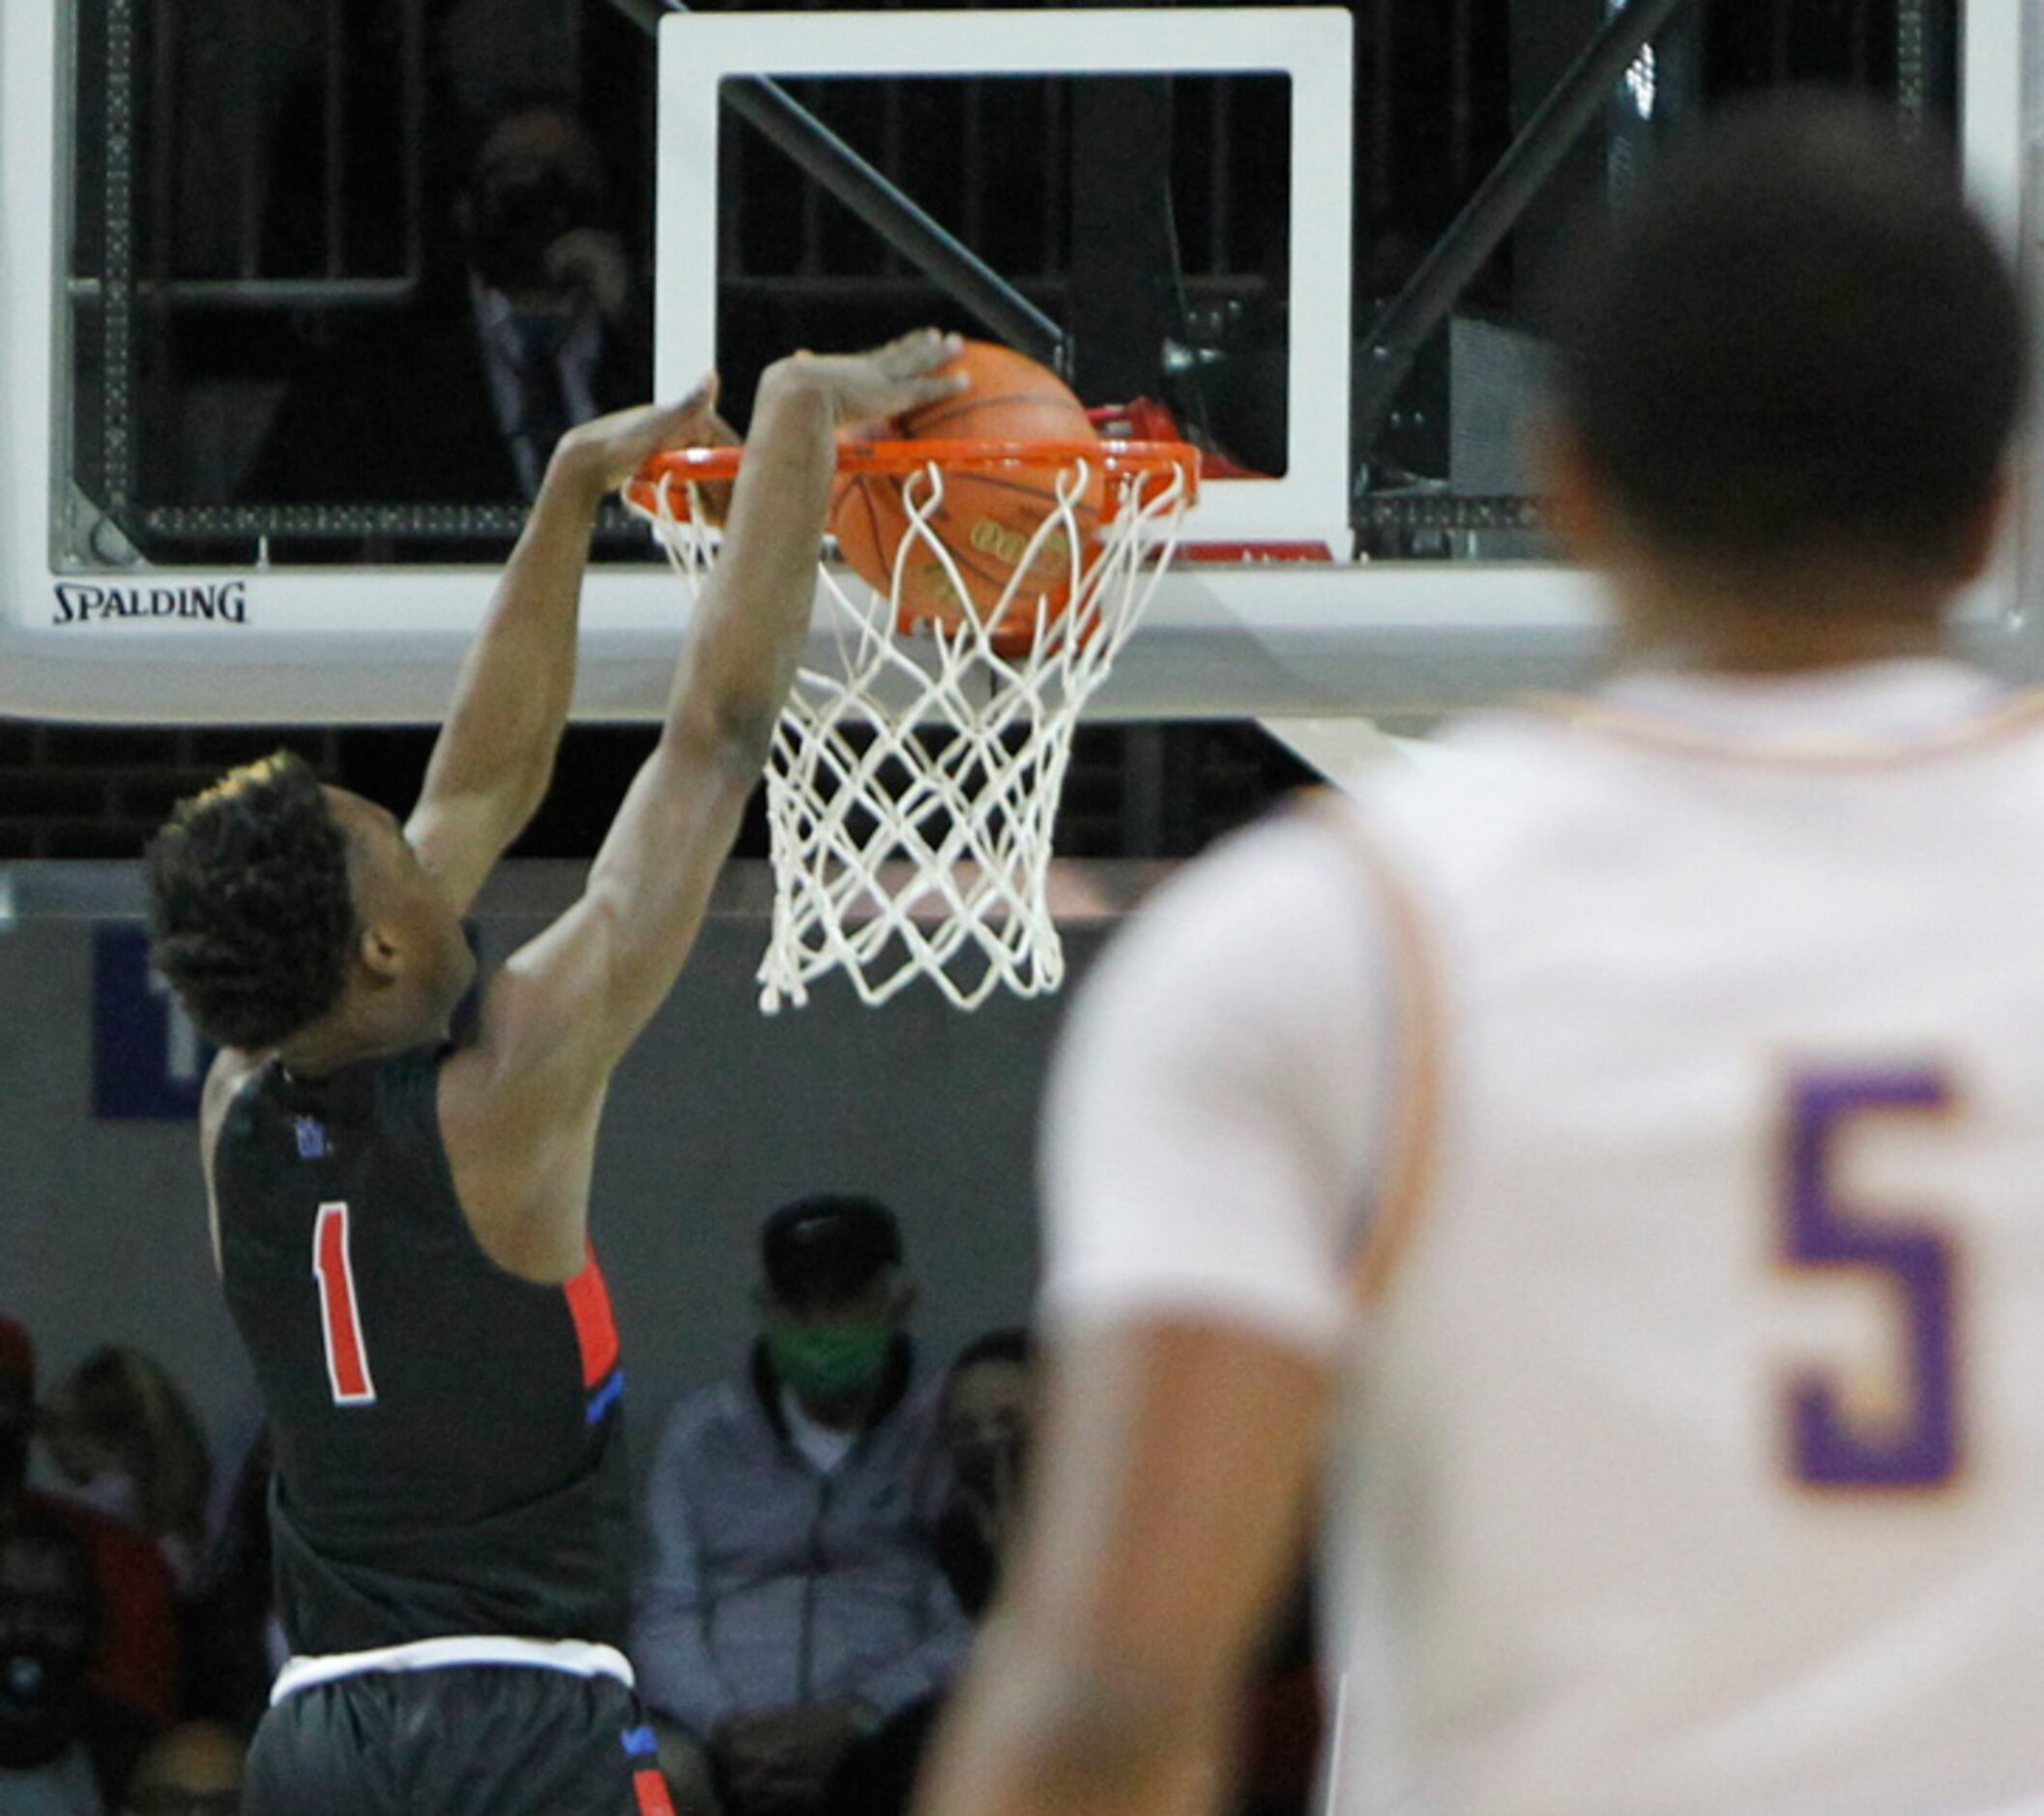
(471, 1739)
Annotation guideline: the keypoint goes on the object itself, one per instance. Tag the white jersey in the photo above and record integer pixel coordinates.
(1645, 1106)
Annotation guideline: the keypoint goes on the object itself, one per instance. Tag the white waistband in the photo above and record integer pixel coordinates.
(575, 1656)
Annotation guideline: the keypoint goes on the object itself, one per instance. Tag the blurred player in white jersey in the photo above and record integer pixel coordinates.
(1612, 1157)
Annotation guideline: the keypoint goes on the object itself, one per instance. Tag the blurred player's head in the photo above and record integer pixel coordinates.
(284, 912)
(1791, 372)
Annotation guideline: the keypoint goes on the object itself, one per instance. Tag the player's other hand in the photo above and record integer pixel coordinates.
(867, 391)
(599, 456)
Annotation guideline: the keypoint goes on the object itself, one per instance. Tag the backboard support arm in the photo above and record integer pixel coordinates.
(966, 277)
(1411, 320)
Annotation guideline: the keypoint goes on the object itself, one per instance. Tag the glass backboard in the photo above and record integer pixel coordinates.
(238, 289)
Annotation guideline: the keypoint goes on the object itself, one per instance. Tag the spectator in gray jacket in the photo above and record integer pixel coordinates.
(795, 1601)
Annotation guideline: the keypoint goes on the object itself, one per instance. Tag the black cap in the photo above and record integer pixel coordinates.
(827, 1246)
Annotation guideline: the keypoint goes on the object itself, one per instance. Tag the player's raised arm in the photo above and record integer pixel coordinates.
(495, 756)
(565, 1008)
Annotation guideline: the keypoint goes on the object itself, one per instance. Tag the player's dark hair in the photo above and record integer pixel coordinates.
(250, 904)
(1798, 339)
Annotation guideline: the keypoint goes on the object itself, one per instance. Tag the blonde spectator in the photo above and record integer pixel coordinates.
(126, 1440)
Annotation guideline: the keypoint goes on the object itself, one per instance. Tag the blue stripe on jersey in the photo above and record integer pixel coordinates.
(606, 1396)
(640, 1742)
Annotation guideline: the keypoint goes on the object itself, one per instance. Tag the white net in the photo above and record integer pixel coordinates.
(913, 790)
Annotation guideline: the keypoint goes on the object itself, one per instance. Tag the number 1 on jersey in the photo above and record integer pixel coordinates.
(339, 1317)
(1829, 1448)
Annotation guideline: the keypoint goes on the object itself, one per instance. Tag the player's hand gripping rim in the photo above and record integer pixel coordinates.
(869, 391)
(599, 456)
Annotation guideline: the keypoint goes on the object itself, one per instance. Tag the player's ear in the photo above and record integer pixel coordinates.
(1578, 518)
(380, 954)
(1980, 534)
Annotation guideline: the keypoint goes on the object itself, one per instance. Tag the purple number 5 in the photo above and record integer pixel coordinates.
(1831, 1448)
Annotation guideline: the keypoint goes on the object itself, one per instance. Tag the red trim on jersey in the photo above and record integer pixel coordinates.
(650, 1789)
(595, 1330)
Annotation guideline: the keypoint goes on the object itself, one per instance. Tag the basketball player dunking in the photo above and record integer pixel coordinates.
(1616, 1145)
(400, 1222)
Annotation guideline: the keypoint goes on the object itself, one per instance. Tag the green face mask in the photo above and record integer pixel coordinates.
(828, 1362)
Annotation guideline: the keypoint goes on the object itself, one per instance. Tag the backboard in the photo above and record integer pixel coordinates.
(156, 318)
(877, 79)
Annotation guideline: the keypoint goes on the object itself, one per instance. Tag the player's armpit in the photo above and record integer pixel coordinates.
(521, 1170)
(570, 1003)
(1167, 1517)
(519, 1105)
(460, 839)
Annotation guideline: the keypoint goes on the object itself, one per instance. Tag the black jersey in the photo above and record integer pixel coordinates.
(450, 1452)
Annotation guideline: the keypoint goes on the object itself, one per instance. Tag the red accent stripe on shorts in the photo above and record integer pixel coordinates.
(595, 1330)
(650, 1789)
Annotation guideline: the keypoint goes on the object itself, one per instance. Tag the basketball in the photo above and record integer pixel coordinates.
(984, 521)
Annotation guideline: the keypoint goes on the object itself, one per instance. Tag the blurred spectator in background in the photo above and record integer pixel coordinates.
(987, 1418)
(193, 1770)
(48, 1616)
(64, 1749)
(461, 401)
(129, 1447)
(986, 1423)
(135, 1656)
(989, 1413)
(795, 1602)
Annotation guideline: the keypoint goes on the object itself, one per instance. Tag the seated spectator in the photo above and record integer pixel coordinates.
(48, 1610)
(461, 401)
(193, 1770)
(63, 1748)
(126, 1441)
(795, 1602)
(987, 1418)
(989, 1413)
(135, 1662)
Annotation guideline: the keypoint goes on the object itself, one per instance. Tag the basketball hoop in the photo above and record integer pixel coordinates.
(913, 790)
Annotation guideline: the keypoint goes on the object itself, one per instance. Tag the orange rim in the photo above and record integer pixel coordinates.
(1161, 460)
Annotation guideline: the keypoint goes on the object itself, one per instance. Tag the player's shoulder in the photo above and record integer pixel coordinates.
(1274, 922)
(1477, 790)
(230, 1075)
(1289, 876)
